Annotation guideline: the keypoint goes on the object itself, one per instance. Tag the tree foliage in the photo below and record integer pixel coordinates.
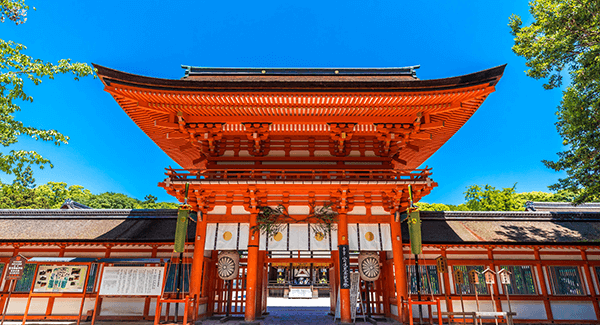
(488, 198)
(18, 70)
(23, 194)
(565, 38)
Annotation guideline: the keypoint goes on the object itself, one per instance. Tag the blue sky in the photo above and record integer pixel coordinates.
(502, 144)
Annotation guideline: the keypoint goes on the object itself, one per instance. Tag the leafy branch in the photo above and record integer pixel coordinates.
(272, 220)
(16, 70)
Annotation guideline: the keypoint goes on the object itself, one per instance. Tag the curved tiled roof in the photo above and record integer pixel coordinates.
(455, 227)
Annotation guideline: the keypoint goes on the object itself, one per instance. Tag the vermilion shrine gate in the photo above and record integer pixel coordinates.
(300, 138)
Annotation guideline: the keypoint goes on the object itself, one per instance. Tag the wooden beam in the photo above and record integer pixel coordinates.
(434, 125)
(306, 119)
(412, 147)
(166, 125)
(421, 136)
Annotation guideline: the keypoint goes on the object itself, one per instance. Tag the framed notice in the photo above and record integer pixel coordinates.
(132, 281)
(60, 278)
(344, 252)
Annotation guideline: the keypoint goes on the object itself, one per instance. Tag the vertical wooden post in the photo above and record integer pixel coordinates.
(259, 284)
(399, 267)
(540, 272)
(590, 282)
(345, 312)
(334, 279)
(197, 261)
(384, 282)
(211, 282)
(492, 266)
(448, 293)
(252, 273)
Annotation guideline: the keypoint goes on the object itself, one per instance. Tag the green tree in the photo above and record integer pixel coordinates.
(565, 38)
(489, 198)
(16, 71)
(441, 207)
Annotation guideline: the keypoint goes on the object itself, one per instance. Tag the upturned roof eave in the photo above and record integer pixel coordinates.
(301, 83)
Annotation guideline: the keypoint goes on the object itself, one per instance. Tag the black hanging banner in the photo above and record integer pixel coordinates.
(344, 266)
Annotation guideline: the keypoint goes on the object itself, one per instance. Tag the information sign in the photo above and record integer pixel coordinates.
(15, 267)
(63, 278)
(344, 251)
(300, 293)
(132, 281)
(354, 289)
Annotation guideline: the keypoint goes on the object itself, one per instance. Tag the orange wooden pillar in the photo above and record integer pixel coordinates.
(399, 267)
(345, 312)
(259, 284)
(334, 280)
(208, 288)
(198, 259)
(384, 281)
(252, 272)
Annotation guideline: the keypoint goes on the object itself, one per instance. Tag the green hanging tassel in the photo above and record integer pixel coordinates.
(181, 230)
(414, 230)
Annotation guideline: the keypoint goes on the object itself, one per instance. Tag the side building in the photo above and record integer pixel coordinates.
(553, 258)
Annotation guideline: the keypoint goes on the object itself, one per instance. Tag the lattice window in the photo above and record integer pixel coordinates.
(597, 268)
(25, 283)
(429, 279)
(521, 280)
(467, 288)
(92, 274)
(566, 280)
(171, 281)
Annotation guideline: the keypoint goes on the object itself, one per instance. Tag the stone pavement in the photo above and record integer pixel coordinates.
(291, 315)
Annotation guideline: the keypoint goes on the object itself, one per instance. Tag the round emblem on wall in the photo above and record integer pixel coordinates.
(319, 236)
(228, 265)
(368, 266)
(278, 236)
(369, 236)
(227, 236)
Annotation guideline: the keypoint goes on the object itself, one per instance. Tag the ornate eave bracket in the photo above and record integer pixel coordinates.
(341, 134)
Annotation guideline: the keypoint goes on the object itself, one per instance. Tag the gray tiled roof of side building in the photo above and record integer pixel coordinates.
(97, 225)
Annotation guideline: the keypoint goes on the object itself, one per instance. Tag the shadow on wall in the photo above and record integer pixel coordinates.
(550, 232)
(159, 230)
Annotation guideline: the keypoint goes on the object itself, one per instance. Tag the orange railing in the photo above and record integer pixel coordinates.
(298, 175)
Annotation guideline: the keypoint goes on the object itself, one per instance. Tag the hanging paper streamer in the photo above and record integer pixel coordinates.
(181, 230)
(414, 230)
(182, 223)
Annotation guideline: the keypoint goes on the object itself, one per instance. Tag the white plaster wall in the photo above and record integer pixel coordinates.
(573, 310)
(16, 306)
(298, 210)
(86, 254)
(394, 310)
(219, 209)
(116, 254)
(122, 306)
(152, 310)
(426, 310)
(561, 257)
(379, 211)
(238, 209)
(202, 309)
(513, 257)
(471, 305)
(358, 210)
(466, 257)
(70, 306)
(526, 309)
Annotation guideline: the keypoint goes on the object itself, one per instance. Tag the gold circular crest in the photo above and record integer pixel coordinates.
(278, 236)
(227, 235)
(319, 236)
(369, 236)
